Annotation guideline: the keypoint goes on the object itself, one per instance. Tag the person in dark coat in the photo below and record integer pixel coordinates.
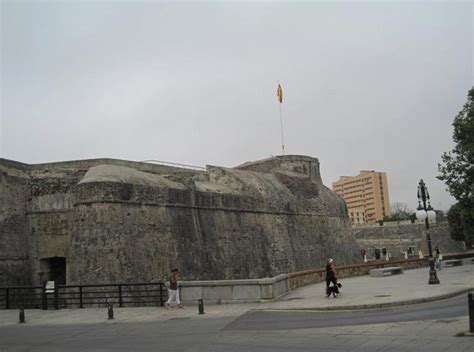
(330, 273)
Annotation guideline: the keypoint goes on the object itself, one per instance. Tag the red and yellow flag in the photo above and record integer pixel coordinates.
(280, 93)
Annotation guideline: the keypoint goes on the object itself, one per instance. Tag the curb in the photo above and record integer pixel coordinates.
(378, 305)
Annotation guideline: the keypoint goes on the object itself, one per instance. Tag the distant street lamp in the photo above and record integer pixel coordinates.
(427, 214)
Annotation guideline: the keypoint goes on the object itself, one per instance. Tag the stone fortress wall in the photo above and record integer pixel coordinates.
(14, 227)
(106, 220)
(36, 204)
(397, 238)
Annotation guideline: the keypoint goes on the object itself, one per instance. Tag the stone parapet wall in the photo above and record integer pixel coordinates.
(86, 164)
(309, 277)
(294, 163)
(234, 291)
(397, 239)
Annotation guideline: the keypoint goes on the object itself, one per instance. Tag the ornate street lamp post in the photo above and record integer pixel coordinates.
(427, 213)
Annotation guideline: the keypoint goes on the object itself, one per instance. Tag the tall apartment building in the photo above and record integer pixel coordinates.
(366, 196)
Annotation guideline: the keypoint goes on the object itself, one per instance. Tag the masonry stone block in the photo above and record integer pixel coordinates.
(246, 292)
(217, 293)
(191, 293)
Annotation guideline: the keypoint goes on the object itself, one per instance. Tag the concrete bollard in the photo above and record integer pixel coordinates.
(110, 311)
(22, 315)
(470, 301)
(200, 306)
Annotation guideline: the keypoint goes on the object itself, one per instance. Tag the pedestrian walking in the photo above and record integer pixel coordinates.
(330, 275)
(438, 258)
(173, 290)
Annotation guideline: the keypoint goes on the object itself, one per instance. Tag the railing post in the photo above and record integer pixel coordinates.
(470, 301)
(56, 297)
(7, 298)
(21, 315)
(120, 295)
(161, 294)
(200, 306)
(44, 298)
(80, 297)
(110, 311)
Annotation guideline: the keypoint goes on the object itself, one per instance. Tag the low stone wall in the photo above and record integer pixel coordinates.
(461, 255)
(235, 291)
(309, 277)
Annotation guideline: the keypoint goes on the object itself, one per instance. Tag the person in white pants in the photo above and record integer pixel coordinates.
(173, 291)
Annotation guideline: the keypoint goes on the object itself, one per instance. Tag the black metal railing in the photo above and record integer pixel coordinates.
(28, 297)
(81, 296)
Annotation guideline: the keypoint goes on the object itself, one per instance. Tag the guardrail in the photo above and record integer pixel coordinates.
(81, 296)
(21, 296)
(167, 163)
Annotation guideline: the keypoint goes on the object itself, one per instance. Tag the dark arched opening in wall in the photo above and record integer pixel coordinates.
(53, 269)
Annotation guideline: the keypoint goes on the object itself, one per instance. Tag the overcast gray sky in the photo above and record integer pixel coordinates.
(367, 85)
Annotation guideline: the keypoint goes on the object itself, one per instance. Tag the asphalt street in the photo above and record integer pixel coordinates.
(302, 319)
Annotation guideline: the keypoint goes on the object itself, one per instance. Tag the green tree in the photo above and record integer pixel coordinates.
(458, 217)
(457, 171)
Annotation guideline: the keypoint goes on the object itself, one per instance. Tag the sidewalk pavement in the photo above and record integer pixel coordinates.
(361, 292)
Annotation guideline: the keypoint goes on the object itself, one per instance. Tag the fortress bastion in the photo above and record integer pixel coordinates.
(108, 220)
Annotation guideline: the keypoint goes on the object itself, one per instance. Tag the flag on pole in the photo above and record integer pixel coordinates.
(280, 93)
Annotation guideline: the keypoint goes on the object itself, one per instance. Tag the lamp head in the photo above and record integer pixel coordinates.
(431, 213)
(421, 214)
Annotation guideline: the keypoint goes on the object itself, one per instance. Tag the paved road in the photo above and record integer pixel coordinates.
(282, 320)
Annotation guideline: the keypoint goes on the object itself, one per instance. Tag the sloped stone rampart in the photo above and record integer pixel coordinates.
(259, 227)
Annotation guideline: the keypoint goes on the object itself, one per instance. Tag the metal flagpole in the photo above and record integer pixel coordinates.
(280, 100)
(282, 141)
